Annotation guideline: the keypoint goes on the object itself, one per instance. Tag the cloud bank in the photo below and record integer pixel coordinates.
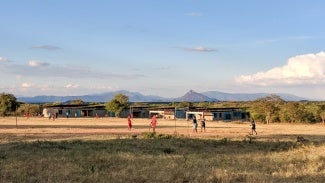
(299, 70)
(47, 47)
(34, 63)
(2, 59)
(45, 70)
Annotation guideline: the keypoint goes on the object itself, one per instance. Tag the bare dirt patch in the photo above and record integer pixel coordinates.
(62, 128)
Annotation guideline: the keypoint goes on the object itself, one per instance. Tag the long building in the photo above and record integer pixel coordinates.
(171, 113)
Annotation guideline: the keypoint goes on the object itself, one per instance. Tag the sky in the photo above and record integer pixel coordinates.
(162, 47)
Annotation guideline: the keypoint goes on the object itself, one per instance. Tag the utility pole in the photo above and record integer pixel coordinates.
(175, 118)
(16, 116)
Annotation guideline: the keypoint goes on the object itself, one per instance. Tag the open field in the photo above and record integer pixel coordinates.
(104, 150)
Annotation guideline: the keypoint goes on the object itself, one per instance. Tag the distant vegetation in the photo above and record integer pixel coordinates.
(269, 109)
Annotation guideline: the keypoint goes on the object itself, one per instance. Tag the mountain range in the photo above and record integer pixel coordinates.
(190, 96)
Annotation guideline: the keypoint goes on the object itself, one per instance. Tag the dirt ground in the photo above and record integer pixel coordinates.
(22, 128)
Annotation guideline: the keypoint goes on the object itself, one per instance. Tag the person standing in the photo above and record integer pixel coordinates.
(253, 127)
(203, 124)
(153, 123)
(194, 124)
(129, 122)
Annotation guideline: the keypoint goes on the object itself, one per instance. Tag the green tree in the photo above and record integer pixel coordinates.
(322, 115)
(32, 109)
(184, 104)
(117, 104)
(8, 103)
(322, 112)
(292, 112)
(311, 111)
(266, 108)
(204, 105)
(77, 102)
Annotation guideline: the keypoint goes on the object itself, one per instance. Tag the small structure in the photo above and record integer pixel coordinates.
(139, 112)
(75, 111)
(158, 113)
(229, 114)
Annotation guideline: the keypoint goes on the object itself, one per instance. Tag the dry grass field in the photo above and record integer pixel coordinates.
(61, 128)
(104, 150)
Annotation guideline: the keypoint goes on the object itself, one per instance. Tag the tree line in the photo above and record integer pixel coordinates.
(269, 109)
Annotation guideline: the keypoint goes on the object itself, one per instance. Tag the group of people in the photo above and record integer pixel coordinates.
(153, 124)
(195, 125)
(53, 116)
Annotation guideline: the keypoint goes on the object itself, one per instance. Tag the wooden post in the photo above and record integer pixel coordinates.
(16, 116)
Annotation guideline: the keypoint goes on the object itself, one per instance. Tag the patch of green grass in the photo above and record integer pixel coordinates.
(160, 158)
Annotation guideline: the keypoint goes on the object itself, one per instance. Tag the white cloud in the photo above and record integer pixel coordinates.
(71, 86)
(300, 70)
(26, 85)
(34, 63)
(200, 49)
(2, 59)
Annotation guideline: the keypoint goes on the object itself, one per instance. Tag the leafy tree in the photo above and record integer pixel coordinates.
(292, 112)
(184, 105)
(322, 115)
(311, 111)
(57, 103)
(266, 108)
(204, 105)
(77, 102)
(8, 103)
(117, 104)
(32, 109)
(322, 112)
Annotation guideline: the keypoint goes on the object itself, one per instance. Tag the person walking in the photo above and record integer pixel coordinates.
(153, 123)
(253, 127)
(203, 124)
(129, 122)
(194, 124)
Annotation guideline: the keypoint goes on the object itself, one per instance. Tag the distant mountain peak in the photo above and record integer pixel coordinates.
(192, 96)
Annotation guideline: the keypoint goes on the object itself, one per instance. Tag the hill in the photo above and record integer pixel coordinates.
(191, 96)
(248, 96)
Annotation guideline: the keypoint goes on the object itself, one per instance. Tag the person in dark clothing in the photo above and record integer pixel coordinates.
(253, 127)
(194, 124)
(203, 124)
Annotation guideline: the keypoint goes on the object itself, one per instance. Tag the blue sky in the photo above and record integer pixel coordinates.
(162, 47)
